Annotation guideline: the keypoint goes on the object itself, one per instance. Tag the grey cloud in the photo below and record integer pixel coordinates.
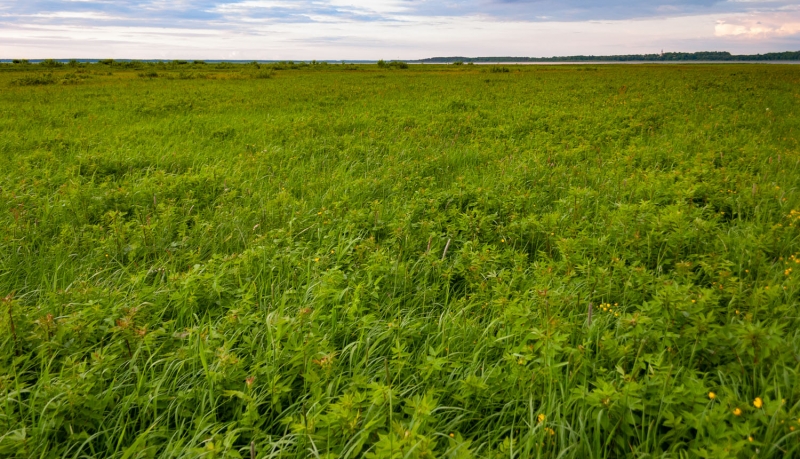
(582, 10)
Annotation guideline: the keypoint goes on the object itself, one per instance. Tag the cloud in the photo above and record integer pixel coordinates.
(760, 26)
(374, 6)
(372, 29)
(532, 10)
(81, 15)
(582, 10)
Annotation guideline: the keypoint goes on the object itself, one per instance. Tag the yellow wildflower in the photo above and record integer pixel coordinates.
(737, 412)
(758, 403)
(712, 395)
(541, 417)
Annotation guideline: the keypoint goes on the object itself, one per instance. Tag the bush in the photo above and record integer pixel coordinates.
(458, 63)
(150, 74)
(130, 64)
(392, 64)
(50, 63)
(34, 80)
(73, 78)
(496, 69)
(262, 74)
(289, 65)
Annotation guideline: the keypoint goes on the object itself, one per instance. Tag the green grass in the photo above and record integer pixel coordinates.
(352, 261)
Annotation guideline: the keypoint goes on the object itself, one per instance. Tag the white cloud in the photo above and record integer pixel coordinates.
(760, 26)
(372, 6)
(92, 15)
(251, 5)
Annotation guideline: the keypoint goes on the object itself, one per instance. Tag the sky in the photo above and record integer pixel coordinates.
(389, 29)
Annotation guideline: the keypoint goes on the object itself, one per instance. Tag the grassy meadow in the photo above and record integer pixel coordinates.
(345, 261)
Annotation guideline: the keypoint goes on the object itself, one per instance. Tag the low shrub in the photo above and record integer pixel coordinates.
(392, 64)
(50, 63)
(262, 74)
(34, 80)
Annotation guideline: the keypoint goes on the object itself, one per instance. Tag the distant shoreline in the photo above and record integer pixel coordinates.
(615, 62)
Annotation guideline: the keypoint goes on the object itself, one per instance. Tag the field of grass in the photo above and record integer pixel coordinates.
(349, 261)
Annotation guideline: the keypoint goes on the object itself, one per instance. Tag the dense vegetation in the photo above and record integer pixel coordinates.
(720, 56)
(345, 261)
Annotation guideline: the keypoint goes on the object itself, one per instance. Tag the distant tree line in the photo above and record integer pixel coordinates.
(721, 56)
(392, 64)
